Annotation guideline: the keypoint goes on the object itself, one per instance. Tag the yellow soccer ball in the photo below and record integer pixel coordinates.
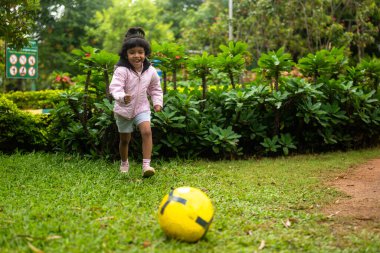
(186, 214)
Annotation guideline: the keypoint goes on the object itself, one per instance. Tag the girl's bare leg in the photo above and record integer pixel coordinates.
(147, 146)
(125, 138)
(147, 142)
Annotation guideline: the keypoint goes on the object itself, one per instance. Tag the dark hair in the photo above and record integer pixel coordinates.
(135, 37)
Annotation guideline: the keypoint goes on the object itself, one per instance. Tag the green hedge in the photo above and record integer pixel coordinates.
(298, 118)
(327, 105)
(255, 120)
(20, 130)
(45, 99)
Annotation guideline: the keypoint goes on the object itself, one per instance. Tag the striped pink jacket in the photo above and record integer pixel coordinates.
(139, 86)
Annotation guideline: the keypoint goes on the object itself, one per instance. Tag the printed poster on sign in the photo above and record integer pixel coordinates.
(22, 63)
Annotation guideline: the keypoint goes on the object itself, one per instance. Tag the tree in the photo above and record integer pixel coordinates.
(171, 57)
(201, 66)
(17, 24)
(175, 11)
(363, 29)
(232, 59)
(110, 25)
(300, 26)
(61, 28)
(272, 64)
(205, 28)
(17, 21)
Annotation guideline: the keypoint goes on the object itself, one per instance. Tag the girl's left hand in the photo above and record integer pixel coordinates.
(157, 108)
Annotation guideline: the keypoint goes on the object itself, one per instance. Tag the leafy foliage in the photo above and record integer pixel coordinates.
(201, 66)
(339, 111)
(300, 27)
(17, 19)
(273, 63)
(61, 28)
(20, 130)
(175, 11)
(170, 57)
(83, 123)
(371, 72)
(46, 99)
(324, 63)
(109, 25)
(223, 141)
(232, 59)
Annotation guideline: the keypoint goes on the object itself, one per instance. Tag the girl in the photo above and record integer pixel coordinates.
(133, 80)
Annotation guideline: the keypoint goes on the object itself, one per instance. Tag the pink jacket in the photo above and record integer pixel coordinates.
(126, 81)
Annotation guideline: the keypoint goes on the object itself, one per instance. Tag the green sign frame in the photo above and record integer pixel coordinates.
(22, 64)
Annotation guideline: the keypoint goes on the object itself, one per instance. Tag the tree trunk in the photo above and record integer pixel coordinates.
(204, 86)
(276, 81)
(85, 101)
(165, 81)
(175, 79)
(231, 76)
(106, 80)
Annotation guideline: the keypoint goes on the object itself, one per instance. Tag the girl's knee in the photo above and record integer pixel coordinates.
(125, 138)
(146, 133)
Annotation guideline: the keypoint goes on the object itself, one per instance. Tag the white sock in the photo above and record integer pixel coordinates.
(146, 163)
(124, 163)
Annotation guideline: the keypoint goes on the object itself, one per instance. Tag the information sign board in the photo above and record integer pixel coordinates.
(22, 63)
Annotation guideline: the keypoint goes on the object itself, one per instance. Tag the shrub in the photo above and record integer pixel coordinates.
(83, 122)
(20, 130)
(45, 99)
(334, 107)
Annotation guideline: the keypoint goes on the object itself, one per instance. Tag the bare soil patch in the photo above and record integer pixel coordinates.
(361, 207)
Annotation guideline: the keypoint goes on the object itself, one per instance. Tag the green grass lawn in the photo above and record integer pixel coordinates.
(57, 203)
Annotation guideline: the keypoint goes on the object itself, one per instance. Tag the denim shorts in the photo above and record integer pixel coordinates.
(126, 125)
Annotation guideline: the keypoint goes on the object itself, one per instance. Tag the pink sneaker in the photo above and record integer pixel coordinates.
(148, 171)
(124, 168)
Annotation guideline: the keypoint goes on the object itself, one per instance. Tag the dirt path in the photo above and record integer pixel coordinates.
(362, 206)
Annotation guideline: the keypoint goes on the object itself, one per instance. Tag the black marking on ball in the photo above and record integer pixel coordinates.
(174, 199)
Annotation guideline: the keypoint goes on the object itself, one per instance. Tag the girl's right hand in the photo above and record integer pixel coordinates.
(127, 99)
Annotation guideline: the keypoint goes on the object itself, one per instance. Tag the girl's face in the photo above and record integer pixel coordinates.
(136, 56)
